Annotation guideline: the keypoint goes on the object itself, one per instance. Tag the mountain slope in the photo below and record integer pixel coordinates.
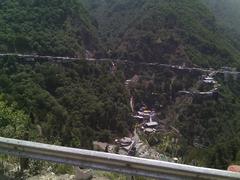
(72, 104)
(166, 31)
(227, 14)
(50, 27)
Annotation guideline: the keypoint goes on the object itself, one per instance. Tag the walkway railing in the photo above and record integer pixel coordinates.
(109, 162)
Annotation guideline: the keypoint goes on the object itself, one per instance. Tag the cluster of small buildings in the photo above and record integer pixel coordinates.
(147, 121)
(150, 127)
(215, 85)
(209, 80)
(143, 114)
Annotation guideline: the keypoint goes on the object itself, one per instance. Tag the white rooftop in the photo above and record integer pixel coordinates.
(152, 124)
(149, 130)
(209, 81)
(208, 78)
(125, 140)
(139, 117)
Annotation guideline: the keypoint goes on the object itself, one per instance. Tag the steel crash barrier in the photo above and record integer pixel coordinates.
(110, 162)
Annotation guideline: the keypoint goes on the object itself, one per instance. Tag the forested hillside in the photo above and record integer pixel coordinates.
(209, 128)
(74, 103)
(71, 104)
(50, 27)
(227, 14)
(166, 31)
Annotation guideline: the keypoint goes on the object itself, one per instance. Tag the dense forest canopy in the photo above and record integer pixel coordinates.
(50, 27)
(71, 104)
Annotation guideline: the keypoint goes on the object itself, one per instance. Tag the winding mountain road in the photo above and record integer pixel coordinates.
(32, 58)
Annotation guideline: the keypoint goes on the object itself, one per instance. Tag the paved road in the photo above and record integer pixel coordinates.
(65, 59)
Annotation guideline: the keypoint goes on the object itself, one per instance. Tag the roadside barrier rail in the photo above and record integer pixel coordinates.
(110, 162)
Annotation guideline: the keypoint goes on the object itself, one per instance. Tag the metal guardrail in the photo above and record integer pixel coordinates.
(110, 162)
